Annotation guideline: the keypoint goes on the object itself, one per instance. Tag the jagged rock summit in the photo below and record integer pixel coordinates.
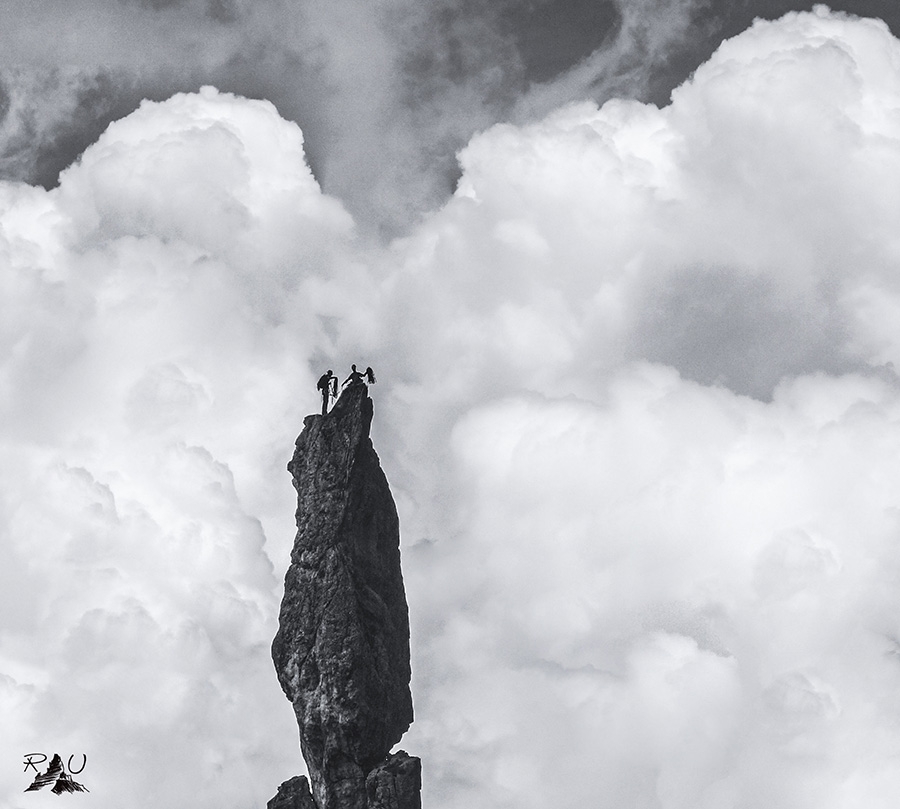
(342, 647)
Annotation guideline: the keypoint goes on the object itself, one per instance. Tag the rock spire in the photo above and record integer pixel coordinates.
(342, 647)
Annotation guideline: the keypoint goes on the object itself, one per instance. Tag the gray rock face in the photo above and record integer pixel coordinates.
(342, 647)
(395, 783)
(293, 794)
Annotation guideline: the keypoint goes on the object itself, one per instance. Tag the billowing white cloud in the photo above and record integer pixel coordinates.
(635, 399)
(386, 92)
(680, 597)
(162, 308)
(739, 234)
(650, 588)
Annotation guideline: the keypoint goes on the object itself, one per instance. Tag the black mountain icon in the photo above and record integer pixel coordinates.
(56, 774)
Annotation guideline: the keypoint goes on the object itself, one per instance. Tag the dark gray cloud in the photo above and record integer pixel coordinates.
(553, 36)
(741, 332)
(385, 95)
(41, 140)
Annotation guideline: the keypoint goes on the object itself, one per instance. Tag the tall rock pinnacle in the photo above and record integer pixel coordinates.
(342, 647)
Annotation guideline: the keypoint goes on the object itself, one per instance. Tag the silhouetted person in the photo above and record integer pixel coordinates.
(355, 376)
(327, 384)
(370, 375)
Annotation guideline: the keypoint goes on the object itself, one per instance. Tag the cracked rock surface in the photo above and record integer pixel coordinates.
(342, 647)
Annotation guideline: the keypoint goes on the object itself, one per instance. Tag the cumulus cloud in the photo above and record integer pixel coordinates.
(676, 599)
(733, 234)
(386, 93)
(168, 285)
(636, 401)
(688, 613)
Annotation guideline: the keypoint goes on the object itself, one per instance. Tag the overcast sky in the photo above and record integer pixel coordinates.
(629, 275)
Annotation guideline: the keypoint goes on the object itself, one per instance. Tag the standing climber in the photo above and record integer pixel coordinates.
(327, 384)
(355, 376)
(370, 375)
